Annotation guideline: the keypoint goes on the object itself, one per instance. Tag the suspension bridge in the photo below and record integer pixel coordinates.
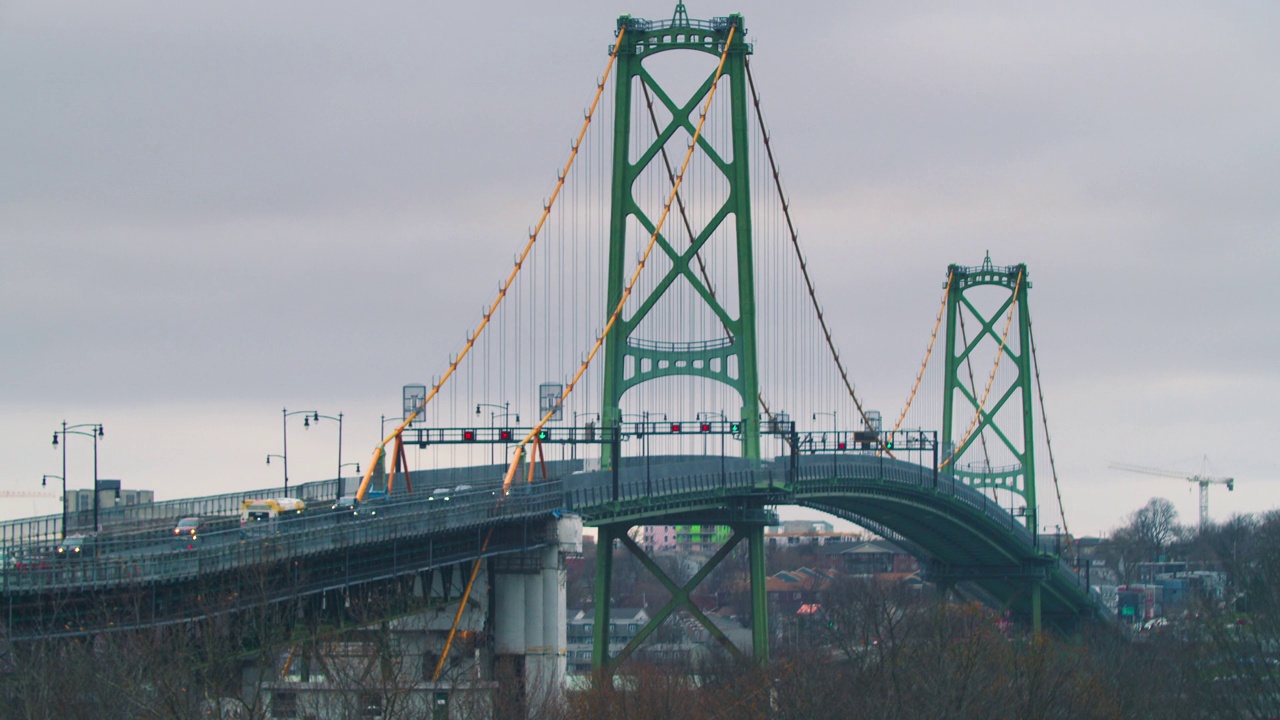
(661, 317)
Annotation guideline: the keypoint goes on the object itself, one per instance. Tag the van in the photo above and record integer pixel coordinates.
(265, 513)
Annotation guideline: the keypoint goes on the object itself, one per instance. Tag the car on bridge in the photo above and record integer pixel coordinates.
(190, 528)
(21, 560)
(74, 547)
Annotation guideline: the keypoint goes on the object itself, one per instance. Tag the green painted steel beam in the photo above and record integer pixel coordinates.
(708, 360)
(956, 393)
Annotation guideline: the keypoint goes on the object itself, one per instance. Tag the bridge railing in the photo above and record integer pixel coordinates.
(810, 473)
(120, 563)
(28, 533)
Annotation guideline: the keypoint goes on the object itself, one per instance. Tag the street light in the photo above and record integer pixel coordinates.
(44, 482)
(712, 415)
(493, 416)
(833, 427)
(356, 465)
(95, 432)
(644, 443)
(316, 418)
(707, 415)
(306, 423)
(573, 447)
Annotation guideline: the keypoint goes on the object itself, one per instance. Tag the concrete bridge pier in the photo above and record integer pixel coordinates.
(529, 617)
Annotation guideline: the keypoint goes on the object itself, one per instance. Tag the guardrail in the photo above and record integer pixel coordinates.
(814, 475)
(26, 533)
(318, 533)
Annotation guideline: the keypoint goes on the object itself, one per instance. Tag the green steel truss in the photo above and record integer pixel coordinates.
(730, 359)
(604, 665)
(964, 455)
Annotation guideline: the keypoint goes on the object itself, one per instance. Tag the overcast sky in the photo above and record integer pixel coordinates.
(212, 211)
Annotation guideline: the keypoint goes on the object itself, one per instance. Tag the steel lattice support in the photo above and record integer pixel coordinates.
(962, 455)
(603, 664)
(729, 359)
(967, 456)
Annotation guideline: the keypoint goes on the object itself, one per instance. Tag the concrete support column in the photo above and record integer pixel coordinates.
(555, 625)
(508, 620)
(534, 649)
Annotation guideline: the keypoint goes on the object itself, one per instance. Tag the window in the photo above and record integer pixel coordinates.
(284, 704)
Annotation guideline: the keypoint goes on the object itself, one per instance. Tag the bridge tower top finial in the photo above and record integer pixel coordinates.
(681, 16)
(986, 263)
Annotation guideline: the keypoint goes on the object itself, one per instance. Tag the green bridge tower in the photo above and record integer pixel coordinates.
(730, 358)
(996, 415)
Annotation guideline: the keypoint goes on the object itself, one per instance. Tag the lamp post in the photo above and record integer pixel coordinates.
(644, 442)
(356, 465)
(493, 416)
(44, 482)
(573, 449)
(723, 418)
(95, 432)
(316, 418)
(833, 427)
(834, 444)
(306, 423)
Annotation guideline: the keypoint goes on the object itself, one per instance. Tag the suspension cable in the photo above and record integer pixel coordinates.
(475, 570)
(1053, 468)
(1013, 304)
(635, 276)
(506, 285)
(804, 267)
(927, 353)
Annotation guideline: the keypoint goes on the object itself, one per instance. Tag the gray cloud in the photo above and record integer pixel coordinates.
(225, 203)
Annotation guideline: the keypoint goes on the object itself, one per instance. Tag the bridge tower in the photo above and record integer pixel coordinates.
(632, 359)
(994, 446)
(730, 357)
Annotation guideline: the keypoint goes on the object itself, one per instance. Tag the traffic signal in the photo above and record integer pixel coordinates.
(543, 434)
(888, 442)
(675, 427)
(468, 435)
(705, 427)
(842, 445)
(735, 428)
(504, 435)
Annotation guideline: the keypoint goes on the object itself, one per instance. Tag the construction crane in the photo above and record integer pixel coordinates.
(24, 494)
(1203, 480)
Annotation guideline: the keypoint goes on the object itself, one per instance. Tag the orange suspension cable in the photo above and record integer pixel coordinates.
(502, 292)
(1013, 304)
(927, 353)
(626, 293)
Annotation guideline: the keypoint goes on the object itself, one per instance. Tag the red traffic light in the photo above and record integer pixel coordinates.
(842, 446)
(468, 435)
(705, 427)
(504, 435)
(675, 427)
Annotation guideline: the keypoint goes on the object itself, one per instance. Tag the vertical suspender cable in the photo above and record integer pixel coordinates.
(795, 241)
